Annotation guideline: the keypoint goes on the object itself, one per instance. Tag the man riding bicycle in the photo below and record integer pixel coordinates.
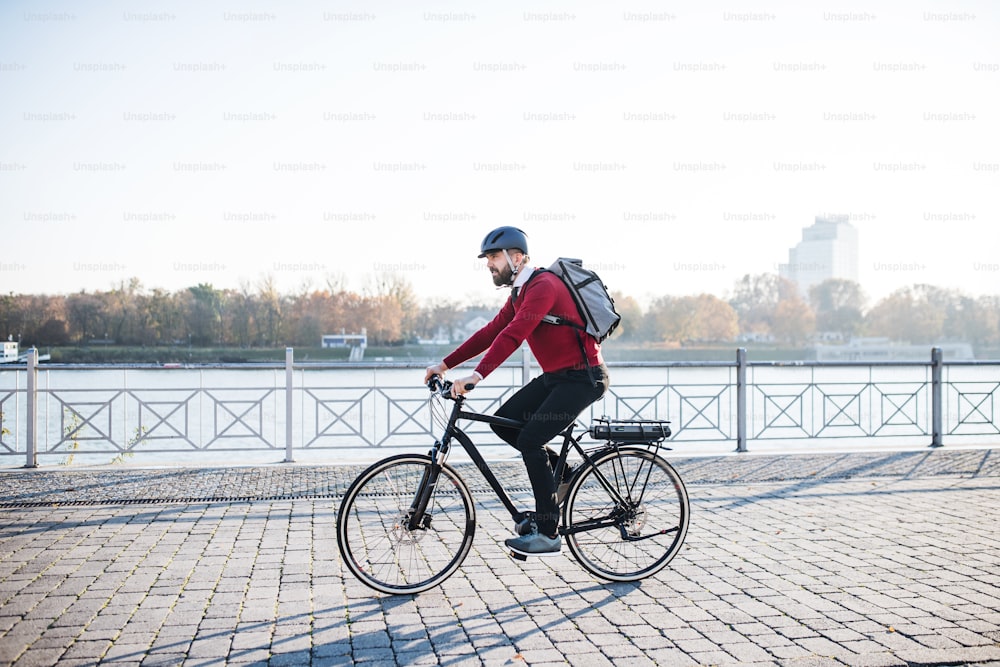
(570, 380)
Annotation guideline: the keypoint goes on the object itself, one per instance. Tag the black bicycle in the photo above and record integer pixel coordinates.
(407, 522)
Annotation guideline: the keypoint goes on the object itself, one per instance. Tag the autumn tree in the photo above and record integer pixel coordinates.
(383, 318)
(303, 318)
(793, 321)
(241, 316)
(756, 300)
(393, 296)
(269, 312)
(34, 319)
(121, 305)
(630, 328)
(687, 319)
(440, 318)
(839, 306)
(917, 314)
(9, 316)
(204, 314)
(52, 332)
(983, 321)
(716, 318)
(87, 315)
(166, 315)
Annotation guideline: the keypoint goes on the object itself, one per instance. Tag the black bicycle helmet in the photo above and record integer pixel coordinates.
(504, 238)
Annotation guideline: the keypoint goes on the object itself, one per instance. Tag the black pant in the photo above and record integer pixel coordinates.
(547, 405)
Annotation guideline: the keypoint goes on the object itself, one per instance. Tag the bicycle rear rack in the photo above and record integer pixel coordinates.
(630, 431)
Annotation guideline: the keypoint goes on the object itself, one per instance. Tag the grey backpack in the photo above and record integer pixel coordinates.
(594, 304)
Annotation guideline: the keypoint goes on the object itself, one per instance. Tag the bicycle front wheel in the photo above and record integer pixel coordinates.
(381, 544)
(627, 516)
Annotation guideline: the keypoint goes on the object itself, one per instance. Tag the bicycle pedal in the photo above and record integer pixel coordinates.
(517, 556)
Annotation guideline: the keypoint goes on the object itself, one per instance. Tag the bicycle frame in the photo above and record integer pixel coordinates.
(442, 447)
(452, 431)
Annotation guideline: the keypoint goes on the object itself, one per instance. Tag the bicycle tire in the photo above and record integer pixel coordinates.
(655, 517)
(375, 541)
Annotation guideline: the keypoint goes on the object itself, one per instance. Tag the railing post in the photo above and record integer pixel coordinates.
(741, 399)
(937, 406)
(32, 427)
(289, 401)
(525, 364)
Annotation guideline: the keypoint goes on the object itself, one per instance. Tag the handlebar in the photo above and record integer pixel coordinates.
(436, 385)
(443, 387)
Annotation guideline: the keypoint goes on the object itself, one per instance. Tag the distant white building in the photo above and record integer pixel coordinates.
(345, 340)
(829, 249)
(356, 342)
(9, 351)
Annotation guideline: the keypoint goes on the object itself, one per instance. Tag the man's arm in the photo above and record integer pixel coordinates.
(482, 339)
(475, 344)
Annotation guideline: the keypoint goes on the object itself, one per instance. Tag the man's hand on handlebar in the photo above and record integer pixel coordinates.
(436, 383)
(436, 369)
(464, 385)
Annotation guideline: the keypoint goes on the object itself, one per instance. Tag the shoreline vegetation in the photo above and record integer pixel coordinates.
(765, 313)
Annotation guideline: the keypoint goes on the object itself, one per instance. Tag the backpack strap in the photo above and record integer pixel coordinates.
(520, 290)
(552, 318)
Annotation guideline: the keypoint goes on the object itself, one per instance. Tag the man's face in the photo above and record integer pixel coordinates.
(497, 264)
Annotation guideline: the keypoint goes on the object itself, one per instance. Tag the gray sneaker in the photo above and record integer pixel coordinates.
(535, 544)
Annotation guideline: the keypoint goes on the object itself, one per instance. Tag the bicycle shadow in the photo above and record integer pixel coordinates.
(391, 629)
(815, 471)
(788, 467)
(447, 634)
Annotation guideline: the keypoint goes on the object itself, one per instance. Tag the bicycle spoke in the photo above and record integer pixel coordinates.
(373, 527)
(649, 512)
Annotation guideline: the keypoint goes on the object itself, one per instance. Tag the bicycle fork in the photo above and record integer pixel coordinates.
(418, 518)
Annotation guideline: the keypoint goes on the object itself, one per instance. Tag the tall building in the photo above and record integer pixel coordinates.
(829, 249)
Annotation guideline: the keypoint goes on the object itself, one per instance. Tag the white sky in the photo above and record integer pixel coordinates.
(223, 142)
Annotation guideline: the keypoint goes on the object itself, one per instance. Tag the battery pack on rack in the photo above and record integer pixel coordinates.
(630, 431)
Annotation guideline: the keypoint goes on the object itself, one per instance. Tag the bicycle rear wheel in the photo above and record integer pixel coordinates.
(373, 526)
(634, 537)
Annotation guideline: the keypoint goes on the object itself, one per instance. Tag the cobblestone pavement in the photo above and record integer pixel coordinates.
(867, 559)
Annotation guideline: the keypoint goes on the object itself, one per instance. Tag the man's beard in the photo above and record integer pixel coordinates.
(503, 277)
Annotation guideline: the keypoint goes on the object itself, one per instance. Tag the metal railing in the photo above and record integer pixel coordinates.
(292, 409)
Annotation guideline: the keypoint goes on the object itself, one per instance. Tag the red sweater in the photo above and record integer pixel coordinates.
(555, 345)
